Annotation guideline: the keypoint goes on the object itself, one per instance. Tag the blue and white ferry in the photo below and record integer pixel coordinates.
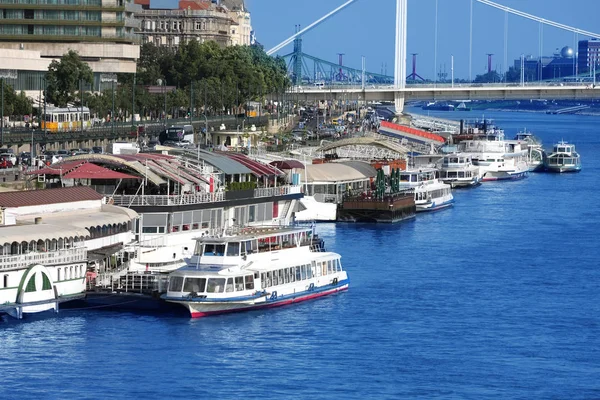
(430, 193)
(256, 268)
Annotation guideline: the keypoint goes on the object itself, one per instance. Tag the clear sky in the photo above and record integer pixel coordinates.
(367, 28)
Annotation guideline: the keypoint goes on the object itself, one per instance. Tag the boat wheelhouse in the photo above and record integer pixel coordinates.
(258, 268)
(457, 170)
(563, 158)
(430, 193)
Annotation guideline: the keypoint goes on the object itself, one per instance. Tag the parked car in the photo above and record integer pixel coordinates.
(97, 150)
(5, 163)
(10, 157)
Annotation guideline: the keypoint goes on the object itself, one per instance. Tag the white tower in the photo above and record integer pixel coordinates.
(400, 61)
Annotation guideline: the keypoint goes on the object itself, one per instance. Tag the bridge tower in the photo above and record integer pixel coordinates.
(297, 59)
(400, 59)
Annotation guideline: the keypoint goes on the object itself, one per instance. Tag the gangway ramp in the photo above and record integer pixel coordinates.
(569, 110)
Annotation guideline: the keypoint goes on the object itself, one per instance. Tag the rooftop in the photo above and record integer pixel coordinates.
(48, 196)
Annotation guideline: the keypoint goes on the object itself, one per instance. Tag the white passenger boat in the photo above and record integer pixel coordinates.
(259, 268)
(563, 158)
(497, 159)
(457, 170)
(430, 193)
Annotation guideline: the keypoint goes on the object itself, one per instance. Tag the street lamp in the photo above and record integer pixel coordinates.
(205, 131)
(5, 74)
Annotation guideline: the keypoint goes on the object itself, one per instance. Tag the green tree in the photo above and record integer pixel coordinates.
(64, 77)
(489, 77)
(513, 75)
(23, 105)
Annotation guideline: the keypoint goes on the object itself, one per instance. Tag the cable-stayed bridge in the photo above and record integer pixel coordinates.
(340, 82)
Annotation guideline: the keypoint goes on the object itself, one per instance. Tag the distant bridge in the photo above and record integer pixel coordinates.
(447, 92)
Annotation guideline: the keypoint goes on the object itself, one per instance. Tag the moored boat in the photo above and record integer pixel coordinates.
(457, 170)
(535, 151)
(430, 193)
(259, 268)
(563, 158)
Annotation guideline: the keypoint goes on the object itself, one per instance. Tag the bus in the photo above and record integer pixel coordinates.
(65, 119)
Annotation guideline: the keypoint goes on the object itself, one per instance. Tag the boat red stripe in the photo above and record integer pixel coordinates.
(272, 304)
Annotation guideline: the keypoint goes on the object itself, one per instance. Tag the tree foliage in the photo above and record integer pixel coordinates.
(212, 79)
(489, 77)
(16, 104)
(64, 77)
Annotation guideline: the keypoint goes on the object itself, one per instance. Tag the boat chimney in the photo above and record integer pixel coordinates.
(38, 220)
(462, 126)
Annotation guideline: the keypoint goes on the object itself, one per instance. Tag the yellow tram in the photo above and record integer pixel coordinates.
(67, 119)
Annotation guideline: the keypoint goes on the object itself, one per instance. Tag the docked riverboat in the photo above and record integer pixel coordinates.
(563, 158)
(535, 151)
(497, 159)
(457, 170)
(430, 193)
(258, 268)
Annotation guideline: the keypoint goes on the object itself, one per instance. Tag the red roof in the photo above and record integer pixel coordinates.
(258, 169)
(194, 4)
(58, 168)
(412, 131)
(93, 171)
(48, 196)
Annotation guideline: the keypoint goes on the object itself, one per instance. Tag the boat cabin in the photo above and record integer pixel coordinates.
(251, 242)
(416, 177)
(564, 148)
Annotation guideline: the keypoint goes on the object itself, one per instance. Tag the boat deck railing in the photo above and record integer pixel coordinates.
(197, 198)
(131, 282)
(63, 256)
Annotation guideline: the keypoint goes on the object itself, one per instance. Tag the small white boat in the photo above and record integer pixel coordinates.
(430, 193)
(457, 170)
(563, 158)
(259, 268)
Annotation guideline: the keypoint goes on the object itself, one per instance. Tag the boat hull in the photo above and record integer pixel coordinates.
(503, 176)
(199, 309)
(435, 205)
(563, 169)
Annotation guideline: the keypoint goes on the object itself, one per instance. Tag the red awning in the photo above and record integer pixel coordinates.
(287, 164)
(93, 171)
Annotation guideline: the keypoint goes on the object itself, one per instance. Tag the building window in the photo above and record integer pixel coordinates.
(5, 281)
(198, 25)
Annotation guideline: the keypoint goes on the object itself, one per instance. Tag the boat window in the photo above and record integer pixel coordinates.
(286, 275)
(269, 278)
(309, 271)
(216, 285)
(330, 267)
(249, 282)
(194, 285)
(175, 283)
(292, 274)
(233, 249)
(405, 178)
(281, 278)
(5, 281)
(209, 249)
(303, 272)
(229, 286)
(275, 278)
(239, 283)
(298, 274)
(339, 264)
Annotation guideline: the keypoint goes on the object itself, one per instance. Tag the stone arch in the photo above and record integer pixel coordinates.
(15, 248)
(6, 249)
(40, 246)
(36, 286)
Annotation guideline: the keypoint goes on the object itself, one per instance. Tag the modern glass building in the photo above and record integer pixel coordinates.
(34, 32)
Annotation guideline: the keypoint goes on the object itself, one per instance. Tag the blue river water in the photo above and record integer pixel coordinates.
(497, 297)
